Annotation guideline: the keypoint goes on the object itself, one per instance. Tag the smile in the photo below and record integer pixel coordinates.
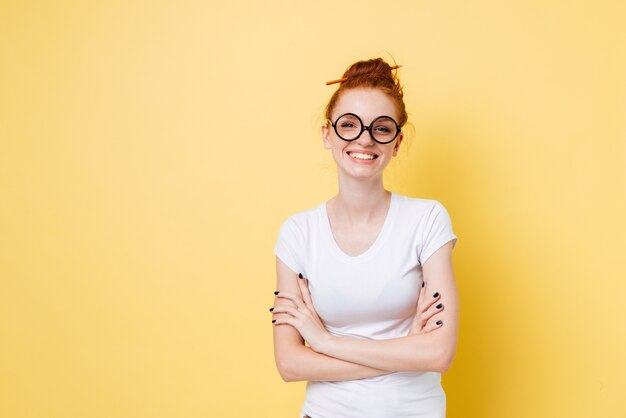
(362, 156)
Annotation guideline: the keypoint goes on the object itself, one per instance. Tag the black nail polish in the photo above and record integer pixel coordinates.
(439, 322)
(436, 294)
(271, 309)
(422, 284)
(300, 275)
(276, 292)
(438, 306)
(273, 320)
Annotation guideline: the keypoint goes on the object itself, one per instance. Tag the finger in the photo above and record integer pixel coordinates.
(422, 292)
(297, 300)
(422, 297)
(433, 310)
(306, 296)
(287, 320)
(288, 310)
(309, 304)
(429, 301)
(433, 325)
(304, 289)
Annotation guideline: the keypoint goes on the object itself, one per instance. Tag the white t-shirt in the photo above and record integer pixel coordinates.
(372, 295)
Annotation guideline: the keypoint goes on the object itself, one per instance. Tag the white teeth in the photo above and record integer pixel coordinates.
(362, 156)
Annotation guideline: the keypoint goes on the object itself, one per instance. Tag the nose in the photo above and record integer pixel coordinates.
(365, 138)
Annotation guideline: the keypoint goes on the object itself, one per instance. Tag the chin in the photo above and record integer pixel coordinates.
(362, 174)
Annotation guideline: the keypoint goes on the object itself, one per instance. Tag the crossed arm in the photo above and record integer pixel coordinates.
(333, 358)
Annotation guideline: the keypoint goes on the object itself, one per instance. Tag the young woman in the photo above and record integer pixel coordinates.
(366, 307)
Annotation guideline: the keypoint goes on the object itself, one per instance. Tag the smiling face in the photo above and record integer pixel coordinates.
(363, 157)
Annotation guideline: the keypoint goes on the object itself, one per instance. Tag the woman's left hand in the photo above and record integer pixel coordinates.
(303, 317)
(427, 308)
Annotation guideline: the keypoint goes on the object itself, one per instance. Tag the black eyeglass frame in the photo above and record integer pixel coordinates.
(366, 128)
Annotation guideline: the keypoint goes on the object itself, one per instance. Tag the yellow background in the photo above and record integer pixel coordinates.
(150, 150)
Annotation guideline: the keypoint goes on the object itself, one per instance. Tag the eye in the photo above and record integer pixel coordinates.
(385, 127)
(382, 129)
(348, 122)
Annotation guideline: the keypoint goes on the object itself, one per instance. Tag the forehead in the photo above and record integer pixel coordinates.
(368, 104)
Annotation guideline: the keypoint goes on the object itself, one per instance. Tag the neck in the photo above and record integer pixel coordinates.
(361, 201)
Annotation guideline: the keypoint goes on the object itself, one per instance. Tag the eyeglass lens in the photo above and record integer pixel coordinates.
(349, 127)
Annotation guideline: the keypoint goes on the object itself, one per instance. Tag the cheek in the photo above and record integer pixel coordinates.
(338, 147)
(338, 153)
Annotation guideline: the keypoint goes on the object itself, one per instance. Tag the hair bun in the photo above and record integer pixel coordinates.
(374, 67)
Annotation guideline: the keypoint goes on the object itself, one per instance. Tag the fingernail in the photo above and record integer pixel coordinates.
(273, 320)
(422, 284)
(436, 294)
(439, 322)
(438, 306)
(300, 275)
(276, 292)
(271, 309)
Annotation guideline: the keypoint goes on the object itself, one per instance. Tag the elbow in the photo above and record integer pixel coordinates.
(291, 362)
(287, 377)
(444, 359)
(443, 366)
(438, 360)
(287, 371)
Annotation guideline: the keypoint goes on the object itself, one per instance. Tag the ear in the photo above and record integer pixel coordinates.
(396, 146)
(326, 135)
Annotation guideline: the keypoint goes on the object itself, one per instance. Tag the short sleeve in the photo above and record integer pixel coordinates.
(436, 231)
(290, 245)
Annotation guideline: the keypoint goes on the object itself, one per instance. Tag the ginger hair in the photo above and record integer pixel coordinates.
(374, 74)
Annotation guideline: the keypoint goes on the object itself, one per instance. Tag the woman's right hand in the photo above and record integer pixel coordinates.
(428, 306)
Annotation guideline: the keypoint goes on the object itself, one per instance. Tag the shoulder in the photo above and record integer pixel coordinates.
(419, 207)
(419, 214)
(304, 219)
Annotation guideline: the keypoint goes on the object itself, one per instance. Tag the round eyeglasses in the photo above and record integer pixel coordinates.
(349, 127)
